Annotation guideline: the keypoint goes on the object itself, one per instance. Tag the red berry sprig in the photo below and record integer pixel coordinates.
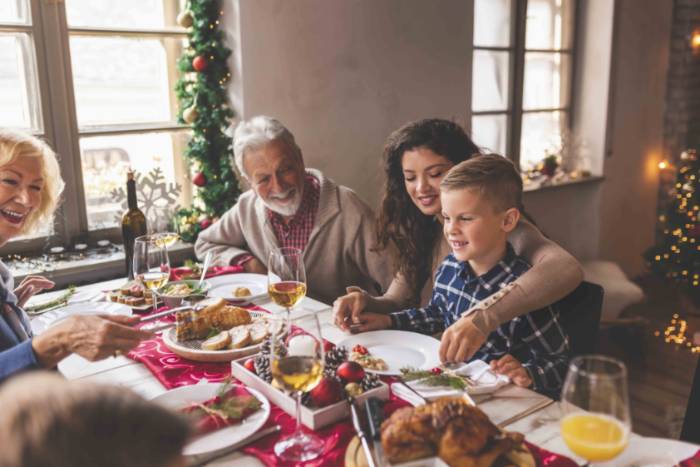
(436, 371)
(361, 349)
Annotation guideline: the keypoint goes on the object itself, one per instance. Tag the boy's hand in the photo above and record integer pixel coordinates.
(460, 341)
(371, 322)
(512, 368)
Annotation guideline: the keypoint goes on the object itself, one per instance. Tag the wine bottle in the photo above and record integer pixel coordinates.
(133, 224)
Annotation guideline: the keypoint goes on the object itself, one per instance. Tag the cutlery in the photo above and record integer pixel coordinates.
(520, 415)
(375, 415)
(199, 461)
(205, 266)
(166, 313)
(406, 385)
(360, 432)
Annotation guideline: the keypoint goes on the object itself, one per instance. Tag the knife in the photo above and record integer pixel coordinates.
(375, 415)
(197, 461)
(360, 432)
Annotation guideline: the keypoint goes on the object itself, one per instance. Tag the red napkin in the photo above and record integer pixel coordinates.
(692, 461)
(208, 422)
(177, 274)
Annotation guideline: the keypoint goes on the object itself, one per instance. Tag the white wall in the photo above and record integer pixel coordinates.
(343, 74)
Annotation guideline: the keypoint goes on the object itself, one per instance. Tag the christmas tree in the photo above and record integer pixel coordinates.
(676, 256)
(201, 91)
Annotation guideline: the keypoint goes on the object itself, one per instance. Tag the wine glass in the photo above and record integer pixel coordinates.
(596, 423)
(286, 277)
(159, 225)
(296, 362)
(151, 263)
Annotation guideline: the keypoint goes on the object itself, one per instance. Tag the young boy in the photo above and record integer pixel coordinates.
(481, 198)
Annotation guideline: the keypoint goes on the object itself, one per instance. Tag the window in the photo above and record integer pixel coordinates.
(95, 78)
(522, 76)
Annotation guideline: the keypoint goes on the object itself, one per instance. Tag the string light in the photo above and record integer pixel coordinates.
(695, 40)
(676, 334)
(663, 165)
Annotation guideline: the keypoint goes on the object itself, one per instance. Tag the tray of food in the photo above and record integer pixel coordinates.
(327, 402)
(448, 431)
(217, 333)
(132, 294)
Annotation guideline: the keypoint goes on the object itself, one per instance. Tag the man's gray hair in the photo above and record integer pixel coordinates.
(257, 132)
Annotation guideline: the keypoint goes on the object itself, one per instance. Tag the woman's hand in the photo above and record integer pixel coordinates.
(347, 309)
(512, 368)
(371, 322)
(460, 341)
(93, 337)
(29, 286)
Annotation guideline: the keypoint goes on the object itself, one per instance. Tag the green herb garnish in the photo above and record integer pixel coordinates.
(55, 303)
(430, 379)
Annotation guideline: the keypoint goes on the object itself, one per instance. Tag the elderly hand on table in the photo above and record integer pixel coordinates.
(93, 337)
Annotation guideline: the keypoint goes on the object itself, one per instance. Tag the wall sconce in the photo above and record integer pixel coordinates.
(695, 41)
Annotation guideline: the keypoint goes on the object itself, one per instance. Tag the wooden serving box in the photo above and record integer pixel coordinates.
(312, 418)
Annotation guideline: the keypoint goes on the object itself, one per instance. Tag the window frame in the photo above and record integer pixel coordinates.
(516, 76)
(58, 120)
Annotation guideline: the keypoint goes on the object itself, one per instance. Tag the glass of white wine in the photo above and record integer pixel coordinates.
(297, 361)
(596, 423)
(151, 263)
(159, 225)
(286, 277)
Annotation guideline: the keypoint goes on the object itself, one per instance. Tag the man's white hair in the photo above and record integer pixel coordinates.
(257, 132)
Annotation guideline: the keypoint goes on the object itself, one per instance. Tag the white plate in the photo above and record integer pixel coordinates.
(179, 398)
(42, 322)
(398, 349)
(224, 286)
(647, 452)
(192, 349)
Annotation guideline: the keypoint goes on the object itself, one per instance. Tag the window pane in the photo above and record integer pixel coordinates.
(119, 80)
(541, 133)
(106, 159)
(492, 23)
(490, 80)
(489, 132)
(19, 95)
(136, 14)
(14, 11)
(547, 80)
(550, 24)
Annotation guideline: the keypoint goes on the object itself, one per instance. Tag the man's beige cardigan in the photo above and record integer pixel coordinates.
(338, 253)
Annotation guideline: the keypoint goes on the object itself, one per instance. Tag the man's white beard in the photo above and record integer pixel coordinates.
(287, 209)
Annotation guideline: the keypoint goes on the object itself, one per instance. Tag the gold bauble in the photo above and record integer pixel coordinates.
(190, 114)
(185, 19)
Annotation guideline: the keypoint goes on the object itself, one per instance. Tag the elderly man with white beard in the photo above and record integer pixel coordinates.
(291, 206)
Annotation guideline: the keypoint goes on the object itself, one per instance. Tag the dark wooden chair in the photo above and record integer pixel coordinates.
(691, 422)
(579, 315)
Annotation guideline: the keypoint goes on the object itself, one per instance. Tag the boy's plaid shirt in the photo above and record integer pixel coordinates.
(536, 339)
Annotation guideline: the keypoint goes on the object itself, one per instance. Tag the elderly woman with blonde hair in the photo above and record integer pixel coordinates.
(30, 188)
(47, 421)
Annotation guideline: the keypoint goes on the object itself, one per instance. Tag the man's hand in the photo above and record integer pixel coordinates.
(253, 265)
(512, 368)
(347, 309)
(29, 286)
(460, 341)
(371, 322)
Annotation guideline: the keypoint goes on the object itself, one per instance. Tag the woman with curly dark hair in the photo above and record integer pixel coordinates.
(416, 158)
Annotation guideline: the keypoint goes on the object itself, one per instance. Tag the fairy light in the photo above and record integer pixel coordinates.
(676, 333)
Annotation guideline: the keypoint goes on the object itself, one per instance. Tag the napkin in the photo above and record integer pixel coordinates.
(232, 407)
(479, 372)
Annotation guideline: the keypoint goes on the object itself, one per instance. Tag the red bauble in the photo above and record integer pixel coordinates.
(250, 365)
(199, 63)
(350, 372)
(328, 391)
(204, 223)
(199, 179)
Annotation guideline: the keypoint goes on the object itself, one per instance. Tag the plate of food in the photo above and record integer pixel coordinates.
(239, 287)
(223, 414)
(44, 321)
(386, 352)
(132, 294)
(217, 333)
(173, 293)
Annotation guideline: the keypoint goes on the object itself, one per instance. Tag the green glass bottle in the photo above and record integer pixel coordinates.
(133, 224)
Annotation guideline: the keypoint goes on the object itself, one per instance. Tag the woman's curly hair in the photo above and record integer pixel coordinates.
(400, 222)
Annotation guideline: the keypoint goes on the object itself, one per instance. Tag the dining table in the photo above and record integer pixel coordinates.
(540, 427)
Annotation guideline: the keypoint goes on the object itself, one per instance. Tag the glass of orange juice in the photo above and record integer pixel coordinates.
(596, 423)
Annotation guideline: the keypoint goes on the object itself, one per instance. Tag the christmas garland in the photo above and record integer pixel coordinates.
(201, 91)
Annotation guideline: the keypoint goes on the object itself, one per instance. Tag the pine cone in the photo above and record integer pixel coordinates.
(370, 381)
(306, 399)
(262, 368)
(266, 348)
(335, 357)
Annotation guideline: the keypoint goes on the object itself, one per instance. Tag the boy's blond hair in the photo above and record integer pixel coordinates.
(14, 144)
(494, 176)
